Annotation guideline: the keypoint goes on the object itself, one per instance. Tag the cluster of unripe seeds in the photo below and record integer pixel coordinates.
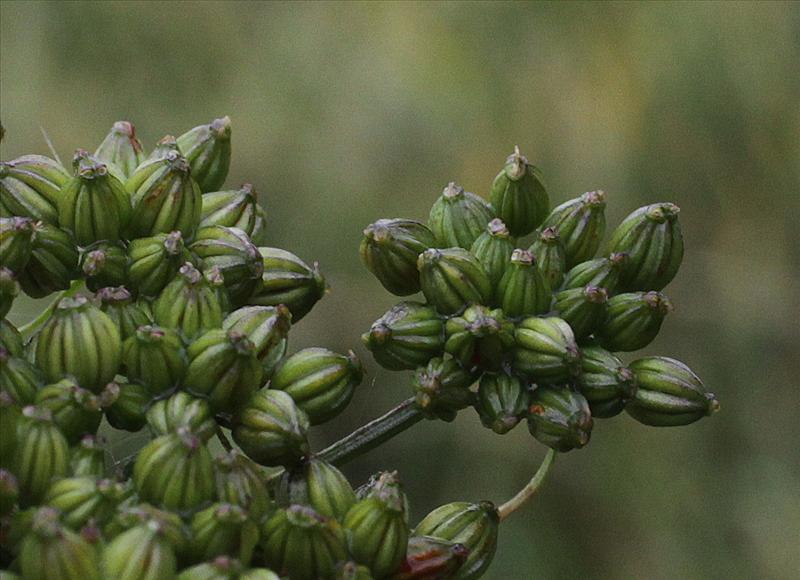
(173, 316)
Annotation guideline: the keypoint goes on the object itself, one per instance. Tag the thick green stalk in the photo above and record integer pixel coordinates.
(373, 434)
(529, 490)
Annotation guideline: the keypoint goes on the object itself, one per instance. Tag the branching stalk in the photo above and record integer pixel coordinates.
(527, 492)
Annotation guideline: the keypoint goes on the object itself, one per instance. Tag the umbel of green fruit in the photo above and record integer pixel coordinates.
(320, 381)
(165, 198)
(389, 249)
(207, 148)
(30, 187)
(93, 204)
(458, 217)
(271, 429)
(223, 368)
(289, 281)
(406, 336)
(519, 196)
(473, 525)
(580, 224)
(302, 543)
(670, 393)
(75, 329)
(652, 238)
(493, 248)
(560, 418)
(377, 526)
(452, 279)
(188, 304)
(175, 471)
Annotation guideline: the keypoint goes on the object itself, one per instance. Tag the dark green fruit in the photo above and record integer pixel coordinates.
(442, 388)
(42, 454)
(452, 279)
(16, 242)
(551, 258)
(601, 272)
(502, 402)
(153, 262)
(30, 186)
(560, 418)
(231, 208)
(75, 411)
(519, 196)
(53, 262)
(208, 150)
(480, 338)
(458, 217)
(606, 383)
(154, 356)
(121, 150)
(104, 264)
(54, 552)
(522, 290)
(179, 411)
(126, 313)
(318, 484)
(267, 327)
(406, 336)
(289, 281)
(493, 248)
(633, 320)
(546, 350)
(580, 223)
(584, 309)
(188, 304)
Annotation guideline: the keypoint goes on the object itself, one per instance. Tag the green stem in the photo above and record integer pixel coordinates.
(29, 329)
(529, 490)
(373, 434)
(223, 439)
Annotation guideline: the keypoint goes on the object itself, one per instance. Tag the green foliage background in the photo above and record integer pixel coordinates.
(344, 113)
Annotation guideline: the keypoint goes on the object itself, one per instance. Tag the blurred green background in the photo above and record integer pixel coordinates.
(345, 113)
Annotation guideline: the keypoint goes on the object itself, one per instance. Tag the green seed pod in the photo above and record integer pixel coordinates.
(94, 204)
(9, 492)
(11, 339)
(76, 329)
(127, 412)
(30, 186)
(163, 146)
(480, 338)
(377, 526)
(155, 357)
(169, 525)
(10, 418)
(633, 320)
(320, 381)
(9, 289)
(18, 378)
(289, 281)
(267, 327)
(442, 388)
(473, 525)
(502, 402)
(652, 238)
(259, 234)
(75, 411)
(580, 223)
(223, 368)
(550, 257)
(560, 418)
(407, 336)
(104, 264)
(165, 198)
(42, 454)
(452, 279)
(121, 150)
(88, 457)
(232, 209)
(83, 499)
(54, 552)
(234, 254)
(458, 217)
(271, 429)
(16, 242)
(584, 309)
(181, 410)
(299, 542)
(605, 382)
(140, 553)
(223, 529)
(208, 150)
(175, 471)
(546, 350)
(154, 261)
(352, 571)
(389, 249)
(601, 272)
(318, 484)
(53, 262)
(120, 306)
(519, 196)
(493, 248)
(522, 291)
(669, 394)
(188, 304)
(241, 482)
(430, 558)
